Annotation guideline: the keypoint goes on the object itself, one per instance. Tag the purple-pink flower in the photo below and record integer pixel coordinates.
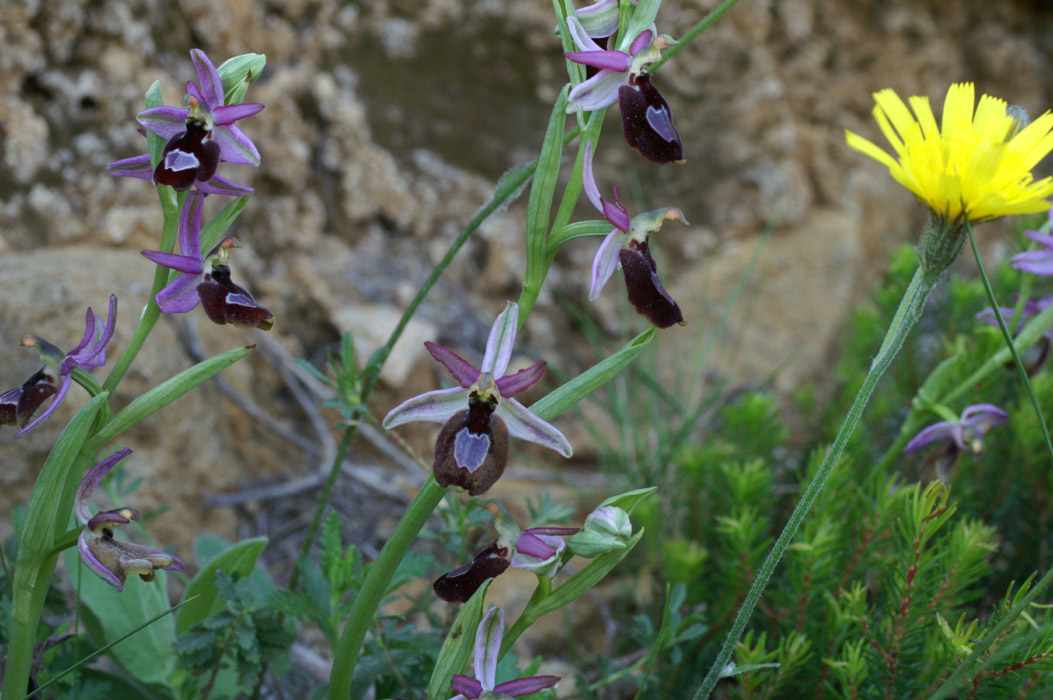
(626, 246)
(199, 137)
(647, 120)
(18, 405)
(965, 434)
(536, 549)
(205, 279)
(1037, 262)
(111, 559)
(472, 448)
(488, 637)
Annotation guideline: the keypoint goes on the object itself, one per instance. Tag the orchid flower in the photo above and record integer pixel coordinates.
(647, 120)
(199, 136)
(206, 279)
(964, 434)
(472, 448)
(626, 247)
(1037, 262)
(536, 549)
(111, 559)
(488, 637)
(18, 405)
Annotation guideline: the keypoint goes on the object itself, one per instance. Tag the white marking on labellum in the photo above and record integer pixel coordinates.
(469, 451)
(661, 123)
(178, 160)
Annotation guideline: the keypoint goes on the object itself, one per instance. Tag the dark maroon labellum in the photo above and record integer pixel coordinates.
(188, 158)
(461, 584)
(647, 121)
(17, 406)
(472, 448)
(646, 292)
(225, 302)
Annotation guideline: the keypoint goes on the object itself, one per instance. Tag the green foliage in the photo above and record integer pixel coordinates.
(245, 635)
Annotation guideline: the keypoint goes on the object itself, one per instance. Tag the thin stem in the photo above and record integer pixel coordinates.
(907, 315)
(703, 24)
(375, 587)
(170, 206)
(980, 649)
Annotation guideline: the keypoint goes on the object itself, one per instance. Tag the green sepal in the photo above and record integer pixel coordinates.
(642, 20)
(458, 646)
(239, 558)
(596, 376)
(163, 394)
(539, 205)
(154, 143)
(237, 73)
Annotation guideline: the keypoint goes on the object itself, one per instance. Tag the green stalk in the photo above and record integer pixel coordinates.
(368, 599)
(907, 315)
(995, 633)
(170, 205)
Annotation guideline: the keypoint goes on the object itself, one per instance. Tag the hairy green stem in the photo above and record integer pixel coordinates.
(981, 648)
(368, 599)
(907, 315)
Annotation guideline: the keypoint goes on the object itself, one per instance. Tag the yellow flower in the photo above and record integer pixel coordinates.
(972, 165)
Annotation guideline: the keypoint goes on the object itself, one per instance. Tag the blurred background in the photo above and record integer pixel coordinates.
(387, 125)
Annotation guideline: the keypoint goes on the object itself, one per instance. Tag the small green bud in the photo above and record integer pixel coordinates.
(606, 529)
(238, 73)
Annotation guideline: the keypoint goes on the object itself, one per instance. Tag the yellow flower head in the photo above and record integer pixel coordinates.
(976, 166)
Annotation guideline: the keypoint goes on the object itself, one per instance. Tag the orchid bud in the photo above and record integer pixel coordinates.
(606, 529)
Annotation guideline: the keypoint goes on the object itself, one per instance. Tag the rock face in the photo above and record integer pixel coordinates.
(387, 125)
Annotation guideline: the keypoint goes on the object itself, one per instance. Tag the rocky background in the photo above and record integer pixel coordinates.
(387, 125)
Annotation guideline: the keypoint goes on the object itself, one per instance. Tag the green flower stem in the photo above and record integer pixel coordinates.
(373, 590)
(171, 203)
(907, 315)
(981, 648)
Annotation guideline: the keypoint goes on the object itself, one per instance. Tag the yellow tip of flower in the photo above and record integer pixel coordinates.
(973, 164)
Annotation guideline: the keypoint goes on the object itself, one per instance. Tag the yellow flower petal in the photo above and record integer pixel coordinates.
(973, 164)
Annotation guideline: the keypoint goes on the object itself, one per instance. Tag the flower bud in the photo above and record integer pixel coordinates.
(606, 529)
(238, 73)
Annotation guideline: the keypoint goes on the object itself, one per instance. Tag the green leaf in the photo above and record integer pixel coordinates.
(539, 205)
(163, 394)
(239, 558)
(642, 19)
(596, 376)
(49, 509)
(149, 656)
(213, 231)
(578, 229)
(458, 646)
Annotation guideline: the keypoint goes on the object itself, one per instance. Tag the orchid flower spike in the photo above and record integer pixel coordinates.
(111, 559)
(488, 637)
(472, 448)
(199, 136)
(18, 405)
(626, 247)
(647, 120)
(965, 434)
(206, 279)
